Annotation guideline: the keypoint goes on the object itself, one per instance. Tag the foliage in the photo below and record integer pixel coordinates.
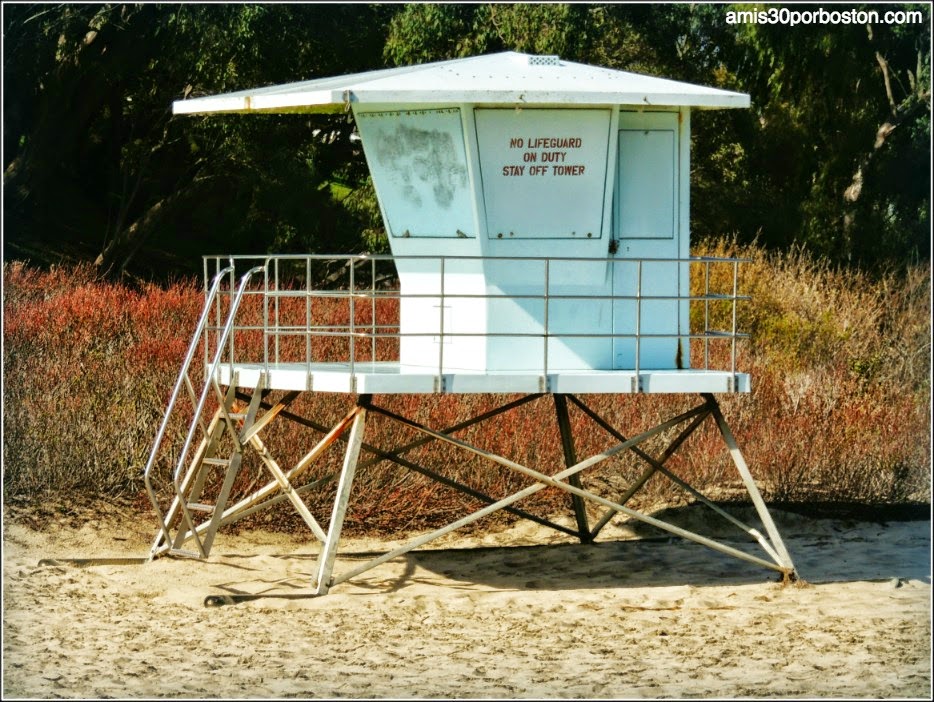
(88, 127)
(840, 408)
(840, 365)
(87, 366)
(833, 155)
(847, 108)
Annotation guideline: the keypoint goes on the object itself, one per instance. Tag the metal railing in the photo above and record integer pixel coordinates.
(184, 381)
(312, 309)
(188, 378)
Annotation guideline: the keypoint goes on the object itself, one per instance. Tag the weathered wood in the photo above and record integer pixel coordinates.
(570, 459)
(326, 559)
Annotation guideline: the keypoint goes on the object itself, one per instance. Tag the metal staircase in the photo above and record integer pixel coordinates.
(192, 514)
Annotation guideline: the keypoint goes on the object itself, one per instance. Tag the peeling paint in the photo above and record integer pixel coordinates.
(423, 157)
(419, 164)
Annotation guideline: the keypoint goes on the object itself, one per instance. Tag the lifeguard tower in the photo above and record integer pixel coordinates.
(538, 216)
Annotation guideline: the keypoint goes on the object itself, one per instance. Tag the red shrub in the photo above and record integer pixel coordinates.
(840, 408)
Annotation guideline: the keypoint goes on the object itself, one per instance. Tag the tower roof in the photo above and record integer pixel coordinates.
(494, 79)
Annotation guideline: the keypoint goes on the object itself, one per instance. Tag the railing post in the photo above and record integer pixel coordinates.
(266, 319)
(373, 309)
(441, 331)
(308, 315)
(706, 315)
(353, 330)
(207, 305)
(636, 382)
(733, 330)
(547, 297)
(278, 326)
(233, 287)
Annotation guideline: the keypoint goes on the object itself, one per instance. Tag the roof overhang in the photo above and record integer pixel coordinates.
(507, 78)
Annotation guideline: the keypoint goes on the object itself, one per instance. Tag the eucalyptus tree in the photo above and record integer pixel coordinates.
(93, 154)
(843, 140)
(833, 154)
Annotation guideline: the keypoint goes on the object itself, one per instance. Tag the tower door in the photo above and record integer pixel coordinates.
(646, 227)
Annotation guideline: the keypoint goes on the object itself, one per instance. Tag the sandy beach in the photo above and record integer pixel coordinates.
(520, 612)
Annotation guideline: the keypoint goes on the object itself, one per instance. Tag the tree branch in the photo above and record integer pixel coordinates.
(884, 65)
(126, 243)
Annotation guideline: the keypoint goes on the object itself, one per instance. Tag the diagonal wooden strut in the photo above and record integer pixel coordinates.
(329, 553)
(570, 458)
(260, 498)
(351, 431)
(395, 456)
(554, 481)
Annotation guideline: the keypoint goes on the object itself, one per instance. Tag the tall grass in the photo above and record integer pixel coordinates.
(840, 408)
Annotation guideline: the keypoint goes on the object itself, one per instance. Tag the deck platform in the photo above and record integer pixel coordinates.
(392, 377)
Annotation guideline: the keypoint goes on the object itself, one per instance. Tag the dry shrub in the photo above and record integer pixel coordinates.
(840, 408)
(88, 367)
(840, 361)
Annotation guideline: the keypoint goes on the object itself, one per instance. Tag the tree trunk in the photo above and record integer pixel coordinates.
(116, 256)
(904, 112)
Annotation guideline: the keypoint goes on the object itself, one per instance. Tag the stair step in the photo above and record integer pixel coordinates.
(200, 507)
(184, 554)
(223, 462)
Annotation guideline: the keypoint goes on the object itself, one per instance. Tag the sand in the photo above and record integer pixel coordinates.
(518, 613)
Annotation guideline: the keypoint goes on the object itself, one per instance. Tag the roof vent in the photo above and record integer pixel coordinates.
(544, 60)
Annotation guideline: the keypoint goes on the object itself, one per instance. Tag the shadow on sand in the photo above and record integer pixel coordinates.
(842, 549)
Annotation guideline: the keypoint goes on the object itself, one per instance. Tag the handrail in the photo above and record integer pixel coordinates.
(362, 258)
(343, 277)
(182, 376)
(210, 379)
(212, 373)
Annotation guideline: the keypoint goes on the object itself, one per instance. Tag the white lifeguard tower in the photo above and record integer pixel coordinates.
(538, 216)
